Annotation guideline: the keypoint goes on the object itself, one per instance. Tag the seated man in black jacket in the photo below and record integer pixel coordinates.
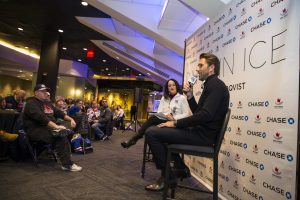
(201, 128)
(40, 123)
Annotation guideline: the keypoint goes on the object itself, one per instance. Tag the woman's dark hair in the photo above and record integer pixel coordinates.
(166, 90)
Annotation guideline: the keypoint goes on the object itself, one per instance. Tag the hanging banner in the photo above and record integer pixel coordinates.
(257, 43)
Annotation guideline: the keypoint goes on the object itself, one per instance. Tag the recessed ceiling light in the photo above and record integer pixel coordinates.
(123, 70)
(140, 74)
(79, 60)
(117, 57)
(60, 30)
(20, 29)
(84, 49)
(84, 3)
(106, 68)
(26, 47)
(18, 76)
(150, 95)
(108, 74)
(108, 90)
(127, 68)
(64, 48)
(20, 71)
(207, 18)
(27, 79)
(30, 74)
(103, 60)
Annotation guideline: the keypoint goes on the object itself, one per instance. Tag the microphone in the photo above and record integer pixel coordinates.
(192, 80)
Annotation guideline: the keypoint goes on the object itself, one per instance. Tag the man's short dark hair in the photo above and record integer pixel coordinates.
(211, 59)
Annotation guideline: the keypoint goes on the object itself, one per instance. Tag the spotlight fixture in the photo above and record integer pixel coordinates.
(84, 3)
(103, 60)
(79, 60)
(60, 30)
(20, 29)
(64, 48)
(207, 18)
(20, 71)
(84, 49)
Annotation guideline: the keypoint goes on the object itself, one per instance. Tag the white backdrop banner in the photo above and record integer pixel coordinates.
(257, 42)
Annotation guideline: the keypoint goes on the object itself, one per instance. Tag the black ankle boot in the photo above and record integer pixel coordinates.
(131, 141)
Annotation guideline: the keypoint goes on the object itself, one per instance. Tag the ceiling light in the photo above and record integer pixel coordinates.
(60, 30)
(26, 47)
(140, 74)
(108, 74)
(30, 74)
(64, 48)
(18, 76)
(84, 49)
(79, 60)
(84, 3)
(20, 71)
(149, 74)
(27, 79)
(117, 57)
(108, 90)
(207, 18)
(150, 95)
(103, 60)
(127, 68)
(123, 70)
(106, 68)
(20, 29)
(21, 50)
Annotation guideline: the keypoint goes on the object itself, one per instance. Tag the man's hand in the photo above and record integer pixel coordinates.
(73, 123)
(166, 124)
(60, 127)
(188, 90)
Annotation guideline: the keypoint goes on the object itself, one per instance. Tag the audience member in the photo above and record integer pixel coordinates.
(2, 103)
(119, 116)
(16, 101)
(77, 107)
(103, 122)
(40, 123)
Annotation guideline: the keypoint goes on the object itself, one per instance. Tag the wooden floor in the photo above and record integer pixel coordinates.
(110, 172)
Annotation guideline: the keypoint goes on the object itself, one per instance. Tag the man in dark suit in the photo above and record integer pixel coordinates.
(201, 128)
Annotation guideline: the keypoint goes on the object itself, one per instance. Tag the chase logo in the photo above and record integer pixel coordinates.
(255, 164)
(254, 3)
(229, 129)
(225, 178)
(278, 155)
(261, 24)
(260, 12)
(250, 193)
(289, 158)
(257, 119)
(240, 117)
(278, 103)
(276, 2)
(229, 21)
(238, 171)
(258, 104)
(291, 121)
(225, 153)
(238, 144)
(288, 195)
(257, 133)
